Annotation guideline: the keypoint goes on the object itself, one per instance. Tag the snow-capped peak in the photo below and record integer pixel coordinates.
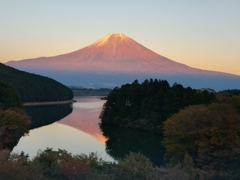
(105, 39)
(120, 35)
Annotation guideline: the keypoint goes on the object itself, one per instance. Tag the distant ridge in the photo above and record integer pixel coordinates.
(116, 59)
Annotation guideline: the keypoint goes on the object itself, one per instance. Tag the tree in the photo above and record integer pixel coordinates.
(13, 125)
(146, 106)
(181, 132)
(210, 134)
(219, 141)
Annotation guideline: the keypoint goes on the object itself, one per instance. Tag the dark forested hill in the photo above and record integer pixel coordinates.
(8, 97)
(34, 88)
(77, 91)
(147, 105)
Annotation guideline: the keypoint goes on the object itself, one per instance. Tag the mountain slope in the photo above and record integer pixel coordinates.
(32, 87)
(113, 60)
(114, 52)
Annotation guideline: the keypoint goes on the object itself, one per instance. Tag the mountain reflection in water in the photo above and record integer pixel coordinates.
(82, 115)
(75, 128)
(85, 117)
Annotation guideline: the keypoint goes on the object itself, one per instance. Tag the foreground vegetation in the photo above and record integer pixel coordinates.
(34, 88)
(60, 164)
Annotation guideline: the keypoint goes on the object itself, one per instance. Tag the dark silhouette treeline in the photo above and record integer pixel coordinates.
(232, 91)
(34, 88)
(146, 105)
(77, 91)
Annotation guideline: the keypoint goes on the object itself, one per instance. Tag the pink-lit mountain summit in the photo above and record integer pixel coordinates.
(114, 52)
(117, 59)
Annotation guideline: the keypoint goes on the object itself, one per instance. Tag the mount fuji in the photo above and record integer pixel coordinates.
(117, 59)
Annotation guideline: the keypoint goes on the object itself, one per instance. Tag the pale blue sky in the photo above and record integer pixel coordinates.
(200, 33)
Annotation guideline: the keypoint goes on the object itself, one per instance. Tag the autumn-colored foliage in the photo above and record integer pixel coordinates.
(219, 141)
(13, 125)
(60, 164)
(181, 132)
(210, 134)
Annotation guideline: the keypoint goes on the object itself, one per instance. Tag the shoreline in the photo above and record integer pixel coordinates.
(47, 103)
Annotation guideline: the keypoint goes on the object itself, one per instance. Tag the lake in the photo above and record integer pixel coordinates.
(75, 128)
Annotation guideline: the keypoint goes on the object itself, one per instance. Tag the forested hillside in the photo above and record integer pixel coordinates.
(145, 106)
(34, 88)
(77, 91)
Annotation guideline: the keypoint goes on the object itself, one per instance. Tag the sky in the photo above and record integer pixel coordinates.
(203, 34)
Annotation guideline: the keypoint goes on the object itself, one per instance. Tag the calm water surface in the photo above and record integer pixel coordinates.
(75, 128)
(77, 133)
